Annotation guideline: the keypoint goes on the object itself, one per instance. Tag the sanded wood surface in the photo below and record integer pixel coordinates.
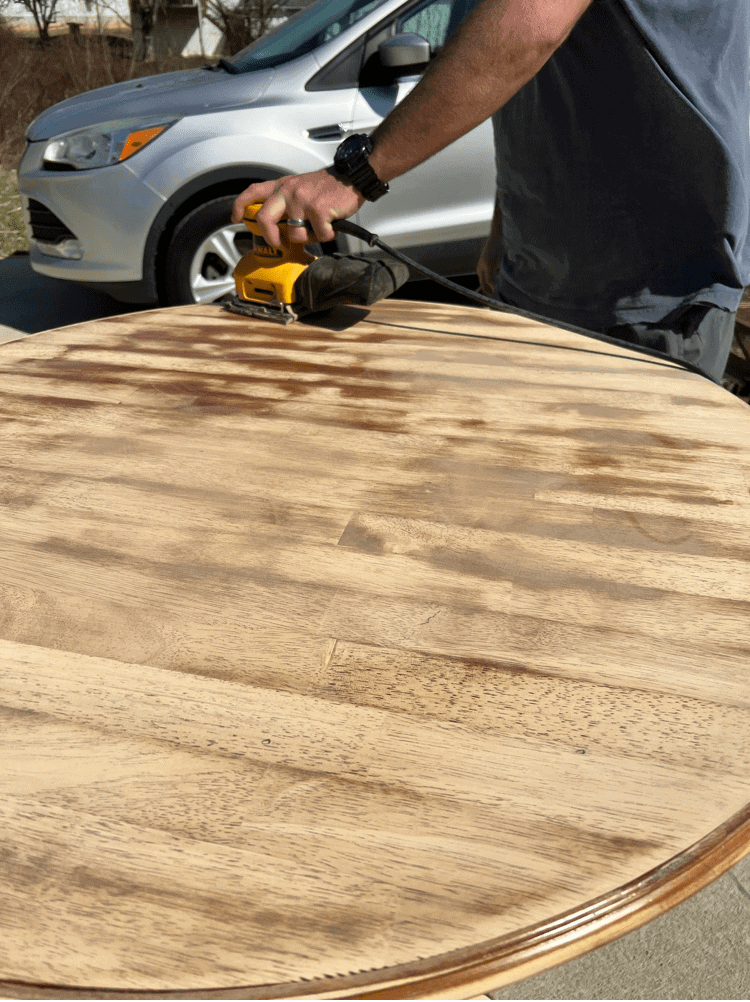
(360, 659)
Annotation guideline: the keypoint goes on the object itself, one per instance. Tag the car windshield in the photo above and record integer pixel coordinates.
(302, 33)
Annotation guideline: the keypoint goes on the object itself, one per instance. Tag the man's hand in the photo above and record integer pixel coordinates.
(319, 197)
(488, 264)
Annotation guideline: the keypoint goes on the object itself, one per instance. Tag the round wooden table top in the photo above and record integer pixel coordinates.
(400, 654)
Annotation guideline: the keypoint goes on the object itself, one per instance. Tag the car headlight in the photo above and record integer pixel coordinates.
(102, 145)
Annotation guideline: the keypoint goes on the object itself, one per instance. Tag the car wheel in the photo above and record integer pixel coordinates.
(202, 253)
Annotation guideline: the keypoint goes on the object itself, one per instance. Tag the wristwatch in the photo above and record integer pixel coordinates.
(350, 160)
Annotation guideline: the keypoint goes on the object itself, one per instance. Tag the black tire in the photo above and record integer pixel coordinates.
(202, 253)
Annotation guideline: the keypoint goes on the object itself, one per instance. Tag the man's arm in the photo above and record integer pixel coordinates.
(498, 48)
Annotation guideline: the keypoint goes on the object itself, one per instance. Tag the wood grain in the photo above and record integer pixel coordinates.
(395, 655)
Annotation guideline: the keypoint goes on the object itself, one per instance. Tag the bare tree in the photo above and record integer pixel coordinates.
(144, 15)
(242, 21)
(112, 13)
(43, 12)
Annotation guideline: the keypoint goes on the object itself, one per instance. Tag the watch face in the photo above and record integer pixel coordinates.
(353, 147)
(353, 144)
(350, 160)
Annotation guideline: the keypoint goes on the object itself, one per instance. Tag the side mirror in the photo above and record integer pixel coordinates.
(404, 50)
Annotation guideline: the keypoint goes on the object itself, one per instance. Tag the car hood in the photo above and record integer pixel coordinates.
(185, 92)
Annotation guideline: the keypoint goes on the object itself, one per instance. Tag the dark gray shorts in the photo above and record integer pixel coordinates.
(699, 333)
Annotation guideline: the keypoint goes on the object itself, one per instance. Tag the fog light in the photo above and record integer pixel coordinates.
(71, 250)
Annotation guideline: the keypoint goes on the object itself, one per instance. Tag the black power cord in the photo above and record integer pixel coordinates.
(352, 229)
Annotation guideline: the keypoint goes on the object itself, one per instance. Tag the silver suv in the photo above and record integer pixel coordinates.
(128, 188)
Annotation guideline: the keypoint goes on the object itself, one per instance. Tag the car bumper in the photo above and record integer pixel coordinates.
(113, 212)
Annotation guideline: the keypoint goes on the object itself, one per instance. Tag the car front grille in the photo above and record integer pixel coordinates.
(45, 226)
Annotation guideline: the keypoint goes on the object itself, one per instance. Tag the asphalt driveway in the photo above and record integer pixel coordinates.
(30, 303)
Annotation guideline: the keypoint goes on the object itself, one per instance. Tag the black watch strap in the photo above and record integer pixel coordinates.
(365, 180)
(367, 183)
(351, 162)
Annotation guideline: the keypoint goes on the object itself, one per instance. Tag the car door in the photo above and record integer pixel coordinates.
(440, 211)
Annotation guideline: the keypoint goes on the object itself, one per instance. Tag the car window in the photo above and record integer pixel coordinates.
(436, 20)
(431, 22)
(359, 65)
(351, 17)
(303, 33)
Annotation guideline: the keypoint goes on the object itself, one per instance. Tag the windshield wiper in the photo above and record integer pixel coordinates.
(223, 64)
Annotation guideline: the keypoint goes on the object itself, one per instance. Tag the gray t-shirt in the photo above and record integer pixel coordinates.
(624, 166)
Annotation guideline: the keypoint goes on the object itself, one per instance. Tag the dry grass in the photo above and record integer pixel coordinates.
(12, 229)
(33, 78)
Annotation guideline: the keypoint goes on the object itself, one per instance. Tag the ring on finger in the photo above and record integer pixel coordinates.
(296, 222)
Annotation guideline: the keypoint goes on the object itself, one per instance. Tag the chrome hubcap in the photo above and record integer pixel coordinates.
(211, 277)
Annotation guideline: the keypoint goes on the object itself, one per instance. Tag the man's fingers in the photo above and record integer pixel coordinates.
(487, 268)
(274, 209)
(255, 193)
(483, 281)
(318, 198)
(321, 228)
(300, 234)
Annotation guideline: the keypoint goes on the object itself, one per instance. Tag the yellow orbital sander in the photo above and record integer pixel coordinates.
(286, 283)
